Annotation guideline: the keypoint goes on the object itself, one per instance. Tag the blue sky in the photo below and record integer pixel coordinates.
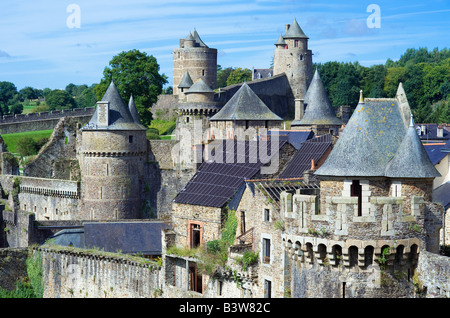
(39, 49)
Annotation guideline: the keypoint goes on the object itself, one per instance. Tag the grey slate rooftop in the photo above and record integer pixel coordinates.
(280, 41)
(120, 117)
(200, 86)
(411, 160)
(312, 149)
(368, 142)
(186, 81)
(319, 110)
(295, 32)
(133, 110)
(245, 105)
(375, 143)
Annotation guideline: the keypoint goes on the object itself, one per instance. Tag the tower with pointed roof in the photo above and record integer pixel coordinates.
(319, 115)
(293, 58)
(112, 156)
(191, 61)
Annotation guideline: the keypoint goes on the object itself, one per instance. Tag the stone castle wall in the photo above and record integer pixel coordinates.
(41, 121)
(84, 274)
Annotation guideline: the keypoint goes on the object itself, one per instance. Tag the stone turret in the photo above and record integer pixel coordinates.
(112, 158)
(293, 58)
(196, 58)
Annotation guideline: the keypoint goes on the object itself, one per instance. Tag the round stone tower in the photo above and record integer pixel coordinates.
(293, 58)
(112, 158)
(195, 57)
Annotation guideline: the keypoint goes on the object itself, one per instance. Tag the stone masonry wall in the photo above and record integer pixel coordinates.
(74, 273)
(433, 272)
(209, 219)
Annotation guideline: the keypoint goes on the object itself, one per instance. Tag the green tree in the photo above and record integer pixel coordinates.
(222, 76)
(16, 108)
(239, 75)
(394, 75)
(28, 93)
(59, 99)
(8, 91)
(136, 73)
(26, 146)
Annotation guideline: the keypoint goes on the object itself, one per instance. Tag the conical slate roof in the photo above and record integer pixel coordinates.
(245, 105)
(319, 110)
(186, 81)
(133, 110)
(120, 117)
(280, 41)
(369, 141)
(198, 39)
(411, 159)
(189, 37)
(295, 32)
(200, 86)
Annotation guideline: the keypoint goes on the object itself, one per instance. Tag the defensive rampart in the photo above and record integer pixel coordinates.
(41, 121)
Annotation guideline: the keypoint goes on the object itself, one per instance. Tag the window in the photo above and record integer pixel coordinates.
(300, 57)
(242, 222)
(267, 288)
(203, 72)
(396, 189)
(266, 251)
(296, 43)
(195, 235)
(130, 139)
(187, 119)
(355, 191)
(266, 216)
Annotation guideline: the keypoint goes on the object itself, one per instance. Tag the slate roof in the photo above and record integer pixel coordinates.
(280, 41)
(198, 39)
(441, 195)
(437, 152)
(295, 137)
(411, 159)
(368, 142)
(431, 132)
(216, 183)
(200, 86)
(133, 110)
(127, 237)
(314, 148)
(319, 110)
(120, 117)
(245, 105)
(295, 32)
(68, 237)
(186, 81)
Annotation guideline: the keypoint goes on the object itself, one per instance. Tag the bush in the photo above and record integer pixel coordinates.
(26, 146)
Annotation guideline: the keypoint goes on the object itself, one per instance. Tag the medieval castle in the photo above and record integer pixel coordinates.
(336, 206)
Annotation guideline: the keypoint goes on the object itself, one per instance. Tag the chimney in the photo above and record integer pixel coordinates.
(440, 131)
(299, 108)
(103, 113)
(286, 27)
(424, 129)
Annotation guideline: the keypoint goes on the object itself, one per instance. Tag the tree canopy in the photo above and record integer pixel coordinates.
(425, 76)
(134, 73)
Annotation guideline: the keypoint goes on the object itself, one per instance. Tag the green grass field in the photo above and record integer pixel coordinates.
(11, 139)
